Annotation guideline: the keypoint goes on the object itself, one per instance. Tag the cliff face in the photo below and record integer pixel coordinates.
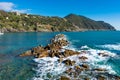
(17, 22)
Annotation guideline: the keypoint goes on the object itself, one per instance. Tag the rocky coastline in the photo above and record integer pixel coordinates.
(82, 71)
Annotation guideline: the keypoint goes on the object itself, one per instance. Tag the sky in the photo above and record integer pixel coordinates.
(105, 10)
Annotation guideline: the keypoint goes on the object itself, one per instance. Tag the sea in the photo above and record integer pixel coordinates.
(13, 67)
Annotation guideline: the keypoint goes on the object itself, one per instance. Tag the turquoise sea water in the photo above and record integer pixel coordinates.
(13, 67)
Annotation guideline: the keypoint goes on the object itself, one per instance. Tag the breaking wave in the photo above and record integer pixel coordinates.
(50, 68)
(110, 46)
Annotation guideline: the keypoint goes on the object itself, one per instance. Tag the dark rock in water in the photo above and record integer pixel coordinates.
(64, 78)
(85, 66)
(77, 67)
(70, 53)
(51, 50)
(69, 70)
(101, 78)
(83, 58)
(99, 69)
(60, 59)
(103, 54)
(68, 62)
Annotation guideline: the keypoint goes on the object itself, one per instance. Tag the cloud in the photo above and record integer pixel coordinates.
(9, 6)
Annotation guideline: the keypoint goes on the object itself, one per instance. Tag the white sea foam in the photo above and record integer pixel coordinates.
(108, 68)
(85, 47)
(51, 66)
(48, 65)
(110, 46)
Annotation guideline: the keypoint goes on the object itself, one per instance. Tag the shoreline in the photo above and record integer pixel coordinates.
(65, 31)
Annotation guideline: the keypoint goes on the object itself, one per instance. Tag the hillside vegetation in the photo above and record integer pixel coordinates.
(17, 22)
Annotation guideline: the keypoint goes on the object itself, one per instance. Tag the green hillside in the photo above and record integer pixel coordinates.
(17, 22)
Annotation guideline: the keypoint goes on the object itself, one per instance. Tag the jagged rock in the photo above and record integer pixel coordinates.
(34, 51)
(43, 54)
(68, 62)
(64, 78)
(69, 70)
(47, 47)
(85, 66)
(99, 69)
(77, 67)
(55, 49)
(59, 37)
(27, 53)
(101, 78)
(54, 52)
(103, 54)
(51, 50)
(37, 50)
(70, 53)
(60, 59)
(83, 58)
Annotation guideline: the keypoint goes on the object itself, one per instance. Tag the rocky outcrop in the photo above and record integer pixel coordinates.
(70, 53)
(103, 54)
(27, 53)
(68, 62)
(100, 69)
(85, 66)
(83, 58)
(73, 69)
(52, 50)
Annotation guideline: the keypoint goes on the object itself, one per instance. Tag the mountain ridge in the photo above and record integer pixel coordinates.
(18, 22)
(81, 21)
